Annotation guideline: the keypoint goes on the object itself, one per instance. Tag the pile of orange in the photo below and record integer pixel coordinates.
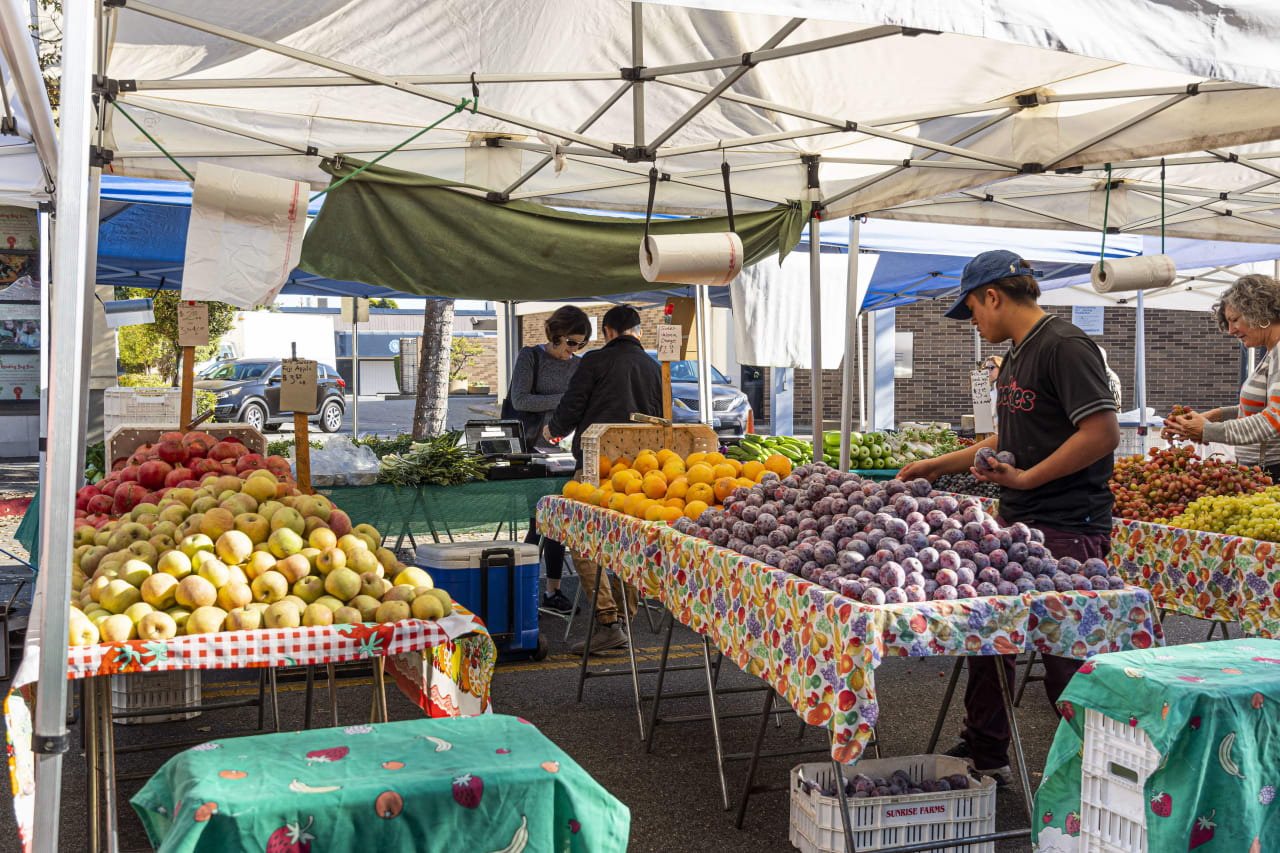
(662, 486)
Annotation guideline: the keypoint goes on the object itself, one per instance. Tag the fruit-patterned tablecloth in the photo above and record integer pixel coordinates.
(458, 649)
(480, 784)
(1212, 712)
(1207, 575)
(819, 649)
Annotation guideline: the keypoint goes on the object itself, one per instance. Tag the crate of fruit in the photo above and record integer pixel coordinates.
(612, 441)
(159, 406)
(946, 803)
(1114, 767)
(142, 691)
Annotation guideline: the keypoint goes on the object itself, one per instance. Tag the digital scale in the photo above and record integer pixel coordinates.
(502, 445)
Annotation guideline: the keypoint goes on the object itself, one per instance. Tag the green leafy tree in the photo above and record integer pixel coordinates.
(155, 345)
(383, 303)
(463, 353)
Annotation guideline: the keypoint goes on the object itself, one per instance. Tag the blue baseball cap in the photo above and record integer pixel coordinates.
(984, 269)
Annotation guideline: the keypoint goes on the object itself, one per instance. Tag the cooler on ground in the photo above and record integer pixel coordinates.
(497, 581)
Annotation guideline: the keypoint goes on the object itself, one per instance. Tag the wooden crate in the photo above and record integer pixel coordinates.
(129, 437)
(614, 440)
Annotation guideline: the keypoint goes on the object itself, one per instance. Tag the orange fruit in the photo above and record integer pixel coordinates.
(621, 478)
(751, 470)
(678, 488)
(605, 464)
(694, 458)
(632, 503)
(778, 464)
(693, 509)
(584, 491)
(673, 469)
(635, 484)
(735, 465)
(715, 457)
(744, 482)
(645, 462)
(701, 493)
(570, 489)
(701, 473)
(671, 514)
(723, 488)
(619, 466)
(654, 512)
(618, 502)
(665, 456)
(624, 461)
(654, 486)
(723, 469)
(674, 502)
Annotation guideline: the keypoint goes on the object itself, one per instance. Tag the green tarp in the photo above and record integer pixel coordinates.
(418, 234)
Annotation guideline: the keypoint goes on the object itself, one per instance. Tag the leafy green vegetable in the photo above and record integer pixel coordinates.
(437, 461)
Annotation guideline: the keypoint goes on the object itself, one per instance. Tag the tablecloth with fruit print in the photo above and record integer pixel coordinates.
(1206, 575)
(458, 648)
(478, 784)
(819, 649)
(1212, 712)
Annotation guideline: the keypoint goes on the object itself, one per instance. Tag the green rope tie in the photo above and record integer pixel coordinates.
(1106, 211)
(153, 141)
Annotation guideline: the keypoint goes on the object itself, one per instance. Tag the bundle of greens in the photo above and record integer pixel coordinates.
(439, 461)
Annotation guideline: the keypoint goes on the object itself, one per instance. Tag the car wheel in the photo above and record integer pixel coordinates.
(331, 417)
(254, 415)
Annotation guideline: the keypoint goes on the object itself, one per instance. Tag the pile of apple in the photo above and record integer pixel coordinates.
(231, 552)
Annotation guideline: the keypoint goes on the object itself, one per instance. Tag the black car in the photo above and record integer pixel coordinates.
(730, 410)
(248, 391)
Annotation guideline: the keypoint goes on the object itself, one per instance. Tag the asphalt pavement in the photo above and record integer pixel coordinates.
(673, 793)
(391, 417)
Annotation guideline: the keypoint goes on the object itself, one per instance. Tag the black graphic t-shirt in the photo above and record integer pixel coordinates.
(1048, 383)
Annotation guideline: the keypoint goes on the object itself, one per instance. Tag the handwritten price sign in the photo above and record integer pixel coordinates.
(297, 385)
(193, 324)
(669, 339)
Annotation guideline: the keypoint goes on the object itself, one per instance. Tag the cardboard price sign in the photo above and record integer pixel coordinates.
(193, 324)
(980, 387)
(297, 385)
(669, 343)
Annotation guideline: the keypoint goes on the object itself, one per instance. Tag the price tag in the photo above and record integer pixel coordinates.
(297, 385)
(980, 388)
(193, 324)
(669, 343)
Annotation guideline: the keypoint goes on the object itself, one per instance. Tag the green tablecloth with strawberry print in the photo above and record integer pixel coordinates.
(1212, 712)
(475, 784)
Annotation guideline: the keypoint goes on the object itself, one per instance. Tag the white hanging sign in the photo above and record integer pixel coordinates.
(980, 388)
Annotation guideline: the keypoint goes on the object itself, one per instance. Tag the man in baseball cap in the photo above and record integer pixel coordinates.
(1057, 433)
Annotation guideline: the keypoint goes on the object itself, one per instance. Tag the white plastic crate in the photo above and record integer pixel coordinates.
(1117, 760)
(138, 691)
(1132, 444)
(882, 822)
(159, 406)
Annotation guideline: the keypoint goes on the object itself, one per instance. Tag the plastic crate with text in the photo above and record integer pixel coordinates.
(1116, 762)
(141, 405)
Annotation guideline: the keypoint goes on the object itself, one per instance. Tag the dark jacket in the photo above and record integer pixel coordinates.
(610, 385)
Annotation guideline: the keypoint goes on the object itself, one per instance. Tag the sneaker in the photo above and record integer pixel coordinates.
(1003, 774)
(604, 638)
(557, 602)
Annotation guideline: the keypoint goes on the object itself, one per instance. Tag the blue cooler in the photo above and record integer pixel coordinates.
(498, 581)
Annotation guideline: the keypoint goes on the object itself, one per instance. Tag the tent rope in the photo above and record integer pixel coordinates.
(462, 105)
(648, 212)
(153, 141)
(1106, 210)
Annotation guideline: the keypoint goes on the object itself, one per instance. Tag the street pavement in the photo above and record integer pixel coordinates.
(391, 417)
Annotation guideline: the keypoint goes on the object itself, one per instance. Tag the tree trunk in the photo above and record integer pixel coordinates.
(431, 410)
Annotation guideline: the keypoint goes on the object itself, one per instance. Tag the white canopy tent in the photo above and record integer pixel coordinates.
(604, 89)
(28, 140)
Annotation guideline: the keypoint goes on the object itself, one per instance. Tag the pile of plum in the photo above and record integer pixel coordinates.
(861, 787)
(891, 542)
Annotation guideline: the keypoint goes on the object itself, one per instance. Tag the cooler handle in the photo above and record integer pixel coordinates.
(499, 556)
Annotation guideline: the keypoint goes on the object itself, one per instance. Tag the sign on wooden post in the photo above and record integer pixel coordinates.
(298, 385)
(193, 324)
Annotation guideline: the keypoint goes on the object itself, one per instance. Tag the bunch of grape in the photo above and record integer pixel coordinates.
(1166, 433)
(966, 484)
(1254, 516)
(1161, 484)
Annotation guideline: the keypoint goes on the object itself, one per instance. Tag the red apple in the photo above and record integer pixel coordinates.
(339, 523)
(177, 476)
(152, 473)
(172, 451)
(189, 484)
(79, 515)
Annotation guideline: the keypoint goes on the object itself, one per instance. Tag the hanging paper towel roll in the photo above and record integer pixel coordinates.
(710, 259)
(1142, 272)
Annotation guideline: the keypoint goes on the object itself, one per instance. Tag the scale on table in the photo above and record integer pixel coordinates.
(502, 444)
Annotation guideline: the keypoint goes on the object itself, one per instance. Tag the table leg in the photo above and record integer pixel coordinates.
(262, 698)
(845, 822)
(631, 652)
(333, 694)
(946, 705)
(755, 759)
(591, 628)
(380, 686)
(311, 684)
(431, 674)
(1007, 696)
(657, 692)
(275, 698)
(108, 764)
(715, 720)
(1027, 678)
(92, 757)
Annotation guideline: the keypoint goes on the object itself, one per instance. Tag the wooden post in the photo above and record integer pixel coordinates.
(667, 434)
(188, 387)
(302, 449)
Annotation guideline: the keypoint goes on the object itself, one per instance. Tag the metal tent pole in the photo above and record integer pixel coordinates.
(859, 322)
(1140, 369)
(815, 333)
(66, 404)
(977, 346)
(852, 343)
(702, 320)
(355, 368)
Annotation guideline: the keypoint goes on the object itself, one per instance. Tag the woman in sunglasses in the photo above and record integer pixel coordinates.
(539, 380)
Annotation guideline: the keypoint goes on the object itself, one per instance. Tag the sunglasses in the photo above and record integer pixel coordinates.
(572, 344)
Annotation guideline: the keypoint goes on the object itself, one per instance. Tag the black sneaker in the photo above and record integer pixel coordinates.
(1003, 774)
(557, 602)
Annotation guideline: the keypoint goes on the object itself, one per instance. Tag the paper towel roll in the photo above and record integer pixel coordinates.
(710, 259)
(1143, 272)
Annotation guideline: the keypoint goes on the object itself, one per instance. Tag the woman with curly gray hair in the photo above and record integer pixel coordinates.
(1250, 312)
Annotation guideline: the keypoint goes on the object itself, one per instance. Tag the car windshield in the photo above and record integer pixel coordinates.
(239, 370)
(687, 371)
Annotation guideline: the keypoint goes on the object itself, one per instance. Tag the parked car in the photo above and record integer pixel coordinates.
(730, 411)
(248, 391)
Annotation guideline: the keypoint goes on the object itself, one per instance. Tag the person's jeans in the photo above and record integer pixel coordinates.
(552, 551)
(986, 727)
(606, 605)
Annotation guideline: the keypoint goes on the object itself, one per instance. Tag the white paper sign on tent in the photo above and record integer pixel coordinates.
(245, 236)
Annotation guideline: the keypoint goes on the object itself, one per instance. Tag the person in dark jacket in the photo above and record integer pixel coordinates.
(611, 384)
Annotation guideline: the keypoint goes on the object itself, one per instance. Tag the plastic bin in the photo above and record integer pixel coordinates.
(1116, 762)
(138, 691)
(498, 581)
(159, 406)
(882, 822)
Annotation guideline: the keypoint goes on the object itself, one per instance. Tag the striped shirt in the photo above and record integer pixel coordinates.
(1253, 427)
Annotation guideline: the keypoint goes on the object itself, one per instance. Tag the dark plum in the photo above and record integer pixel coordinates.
(846, 526)
(985, 459)
(850, 560)
(904, 552)
(843, 543)
(873, 503)
(824, 552)
(1007, 588)
(1062, 582)
(966, 575)
(778, 539)
(1044, 583)
(946, 577)
(989, 543)
(1100, 582)
(935, 519)
(949, 560)
(916, 540)
(831, 534)
(998, 559)
(736, 544)
(989, 575)
(913, 579)
(966, 590)
(892, 575)
(869, 573)
(944, 592)
(873, 595)
(720, 537)
(1080, 582)
(1006, 457)
(1037, 535)
(911, 564)
(895, 595)
(920, 487)
(1092, 567)
(790, 564)
(766, 522)
(928, 558)
(760, 541)
(966, 549)
(1018, 552)
(985, 589)
(863, 517)
(1070, 565)
(946, 503)
(953, 536)
(980, 561)
(1012, 572)
(703, 533)
(1115, 582)
(850, 588)
(882, 557)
